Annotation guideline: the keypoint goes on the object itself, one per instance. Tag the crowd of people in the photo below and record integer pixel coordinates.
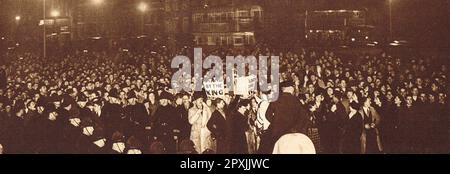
(123, 103)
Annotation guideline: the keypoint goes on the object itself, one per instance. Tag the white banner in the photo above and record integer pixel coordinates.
(245, 85)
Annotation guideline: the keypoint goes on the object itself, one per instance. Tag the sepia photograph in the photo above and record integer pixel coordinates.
(224, 77)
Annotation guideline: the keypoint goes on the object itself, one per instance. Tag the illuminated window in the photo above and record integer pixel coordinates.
(243, 14)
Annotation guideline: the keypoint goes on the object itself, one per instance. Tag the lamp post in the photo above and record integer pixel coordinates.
(45, 32)
(16, 27)
(54, 13)
(142, 7)
(97, 3)
(390, 19)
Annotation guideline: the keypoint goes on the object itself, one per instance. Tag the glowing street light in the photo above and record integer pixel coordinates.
(97, 2)
(143, 7)
(390, 19)
(17, 18)
(54, 13)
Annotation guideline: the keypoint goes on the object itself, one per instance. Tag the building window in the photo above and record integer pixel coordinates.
(224, 40)
(243, 14)
(238, 41)
(230, 15)
(223, 17)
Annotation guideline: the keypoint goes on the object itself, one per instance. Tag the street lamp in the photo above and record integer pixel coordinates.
(54, 13)
(142, 7)
(97, 2)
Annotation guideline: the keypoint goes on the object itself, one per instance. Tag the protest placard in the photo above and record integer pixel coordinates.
(214, 89)
(245, 85)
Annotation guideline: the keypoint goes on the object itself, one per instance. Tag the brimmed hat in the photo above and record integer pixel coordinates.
(243, 102)
(82, 98)
(67, 100)
(165, 95)
(41, 102)
(131, 94)
(114, 93)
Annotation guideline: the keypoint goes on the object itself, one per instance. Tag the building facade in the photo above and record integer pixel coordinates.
(231, 23)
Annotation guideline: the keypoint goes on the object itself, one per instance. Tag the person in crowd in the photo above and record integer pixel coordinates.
(166, 122)
(388, 127)
(239, 125)
(285, 115)
(407, 114)
(370, 138)
(199, 115)
(3, 77)
(184, 126)
(220, 127)
(351, 141)
(263, 124)
(317, 117)
(251, 133)
(332, 125)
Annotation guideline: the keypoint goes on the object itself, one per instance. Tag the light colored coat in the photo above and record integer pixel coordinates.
(200, 134)
(294, 143)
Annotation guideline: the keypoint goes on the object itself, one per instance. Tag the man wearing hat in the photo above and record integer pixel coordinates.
(92, 139)
(111, 113)
(166, 122)
(52, 134)
(139, 117)
(82, 102)
(72, 128)
(16, 129)
(4, 122)
(129, 111)
(239, 125)
(32, 123)
(286, 115)
(183, 107)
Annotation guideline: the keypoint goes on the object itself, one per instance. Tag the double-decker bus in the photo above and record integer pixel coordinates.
(342, 27)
